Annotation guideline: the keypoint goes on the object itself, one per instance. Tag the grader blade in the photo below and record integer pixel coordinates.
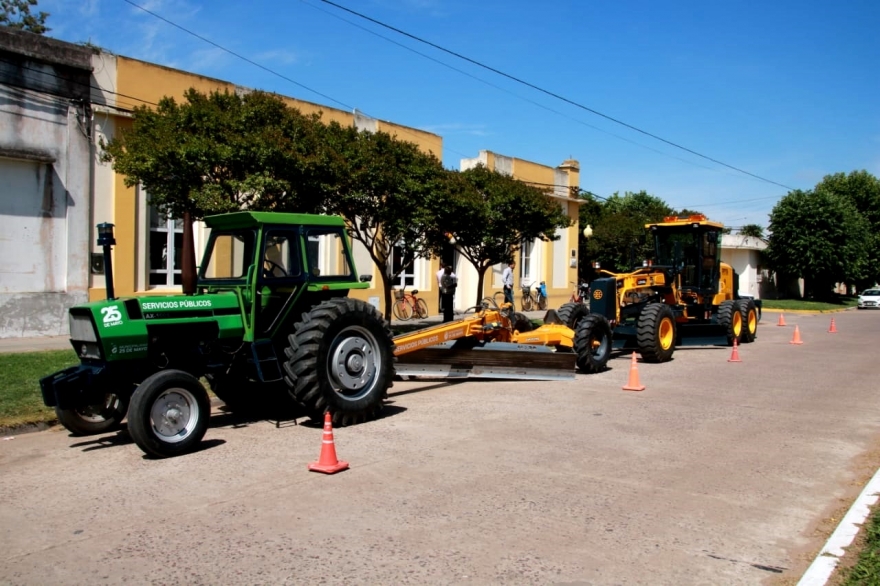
(519, 362)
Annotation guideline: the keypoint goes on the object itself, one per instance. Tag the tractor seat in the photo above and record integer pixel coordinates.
(415, 291)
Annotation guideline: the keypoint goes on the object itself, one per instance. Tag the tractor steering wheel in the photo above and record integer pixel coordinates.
(270, 272)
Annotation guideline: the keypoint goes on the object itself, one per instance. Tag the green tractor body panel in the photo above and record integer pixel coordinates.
(260, 272)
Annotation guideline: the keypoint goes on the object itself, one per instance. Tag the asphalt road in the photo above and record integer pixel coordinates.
(717, 473)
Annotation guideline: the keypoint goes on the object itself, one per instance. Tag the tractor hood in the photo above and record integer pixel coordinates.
(114, 329)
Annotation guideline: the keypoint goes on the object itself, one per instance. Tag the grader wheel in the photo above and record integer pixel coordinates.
(655, 333)
(750, 321)
(731, 318)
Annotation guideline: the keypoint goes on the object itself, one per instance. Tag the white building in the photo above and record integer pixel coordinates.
(743, 254)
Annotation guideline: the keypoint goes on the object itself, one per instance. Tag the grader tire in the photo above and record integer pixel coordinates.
(592, 343)
(340, 360)
(749, 321)
(572, 313)
(655, 333)
(730, 318)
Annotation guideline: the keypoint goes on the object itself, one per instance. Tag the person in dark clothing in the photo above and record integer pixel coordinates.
(448, 283)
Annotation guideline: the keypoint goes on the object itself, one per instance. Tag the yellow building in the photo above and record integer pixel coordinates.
(148, 246)
(554, 263)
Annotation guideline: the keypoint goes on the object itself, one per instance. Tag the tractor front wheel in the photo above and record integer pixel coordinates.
(731, 319)
(169, 413)
(95, 419)
(655, 333)
(592, 342)
(340, 359)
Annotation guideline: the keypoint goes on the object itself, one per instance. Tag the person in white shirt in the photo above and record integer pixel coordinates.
(507, 282)
(440, 287)
(448, 283)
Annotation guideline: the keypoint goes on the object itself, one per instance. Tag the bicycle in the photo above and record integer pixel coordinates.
(408, 305)
(537, 299)
(581, 293)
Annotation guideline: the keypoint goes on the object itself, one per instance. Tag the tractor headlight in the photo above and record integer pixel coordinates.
(82, 333)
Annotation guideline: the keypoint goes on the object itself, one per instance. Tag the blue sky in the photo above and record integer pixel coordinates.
(787, 90)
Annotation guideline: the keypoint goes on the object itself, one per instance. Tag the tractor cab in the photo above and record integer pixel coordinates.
(689, 249)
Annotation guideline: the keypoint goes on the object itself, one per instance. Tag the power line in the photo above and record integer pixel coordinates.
(552, 94)
(255, 64)
(505, 90)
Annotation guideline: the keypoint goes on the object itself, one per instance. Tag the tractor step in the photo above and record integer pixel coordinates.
(519, 364)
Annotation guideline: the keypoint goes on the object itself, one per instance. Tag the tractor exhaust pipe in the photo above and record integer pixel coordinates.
(106, 240)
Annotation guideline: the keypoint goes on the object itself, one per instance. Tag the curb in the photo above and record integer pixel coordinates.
(829, 556)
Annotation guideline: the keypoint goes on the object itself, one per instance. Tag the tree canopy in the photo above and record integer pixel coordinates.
(223, 152)
(491, 215)
(821, 237)
(17, 14)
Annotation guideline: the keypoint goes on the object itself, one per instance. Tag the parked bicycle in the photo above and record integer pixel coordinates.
(408, 305)
(536, 299)
(581, 293)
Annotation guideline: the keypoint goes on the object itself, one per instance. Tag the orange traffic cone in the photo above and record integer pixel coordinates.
(327, 463)
(796, 339)
(633, 384)
(833, 328)
(781, 321)
(734, 356)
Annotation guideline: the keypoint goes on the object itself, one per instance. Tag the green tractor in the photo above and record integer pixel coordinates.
(270, 322)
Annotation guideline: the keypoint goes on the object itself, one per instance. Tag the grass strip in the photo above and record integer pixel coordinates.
(866, 571)
(807, 305)
(20, 400)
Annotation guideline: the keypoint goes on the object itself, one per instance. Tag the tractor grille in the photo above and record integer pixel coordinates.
(83, 336)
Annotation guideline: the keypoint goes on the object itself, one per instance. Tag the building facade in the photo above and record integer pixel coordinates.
(553, 263)
(61, 100)
(45, 182)
(743, 253)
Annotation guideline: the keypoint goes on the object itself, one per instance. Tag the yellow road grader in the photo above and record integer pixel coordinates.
(684, 295)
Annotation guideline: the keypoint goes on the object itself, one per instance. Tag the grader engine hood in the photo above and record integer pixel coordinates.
(118, 329)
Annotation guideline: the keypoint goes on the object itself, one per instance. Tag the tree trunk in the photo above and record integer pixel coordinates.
(188, 260)
(481, 276)
(386, 289)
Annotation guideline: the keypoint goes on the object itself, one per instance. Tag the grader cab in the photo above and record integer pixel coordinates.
(684, 295)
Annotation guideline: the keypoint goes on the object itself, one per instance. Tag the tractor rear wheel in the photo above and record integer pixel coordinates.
(731, 319)
(95, 419)
(169, 413)
(340, 360)
(592, 342)
(572, 313)
(750, 321)
(655, 333)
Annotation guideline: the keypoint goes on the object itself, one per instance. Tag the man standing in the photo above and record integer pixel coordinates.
(448, 282)
(440, 274)
(507, 282)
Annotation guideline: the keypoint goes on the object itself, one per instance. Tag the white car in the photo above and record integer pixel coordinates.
(869, 298)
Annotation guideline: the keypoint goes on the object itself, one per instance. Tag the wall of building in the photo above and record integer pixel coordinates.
(743, 254)
(45, 182)
(123, 83)
(554, 263)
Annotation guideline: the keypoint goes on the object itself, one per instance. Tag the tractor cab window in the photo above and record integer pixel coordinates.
(709, 253)
(326, 254)
(228, 256)
(281, 256)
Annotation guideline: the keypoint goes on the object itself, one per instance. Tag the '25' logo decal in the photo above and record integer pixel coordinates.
(112, 316)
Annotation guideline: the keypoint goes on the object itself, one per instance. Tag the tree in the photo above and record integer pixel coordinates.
(219, 153)
(820, 237)
(17, 14)
(863, 190)
(619, 234)
(491, 214)
(752, 230)
(387, 190)
(222, 152)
